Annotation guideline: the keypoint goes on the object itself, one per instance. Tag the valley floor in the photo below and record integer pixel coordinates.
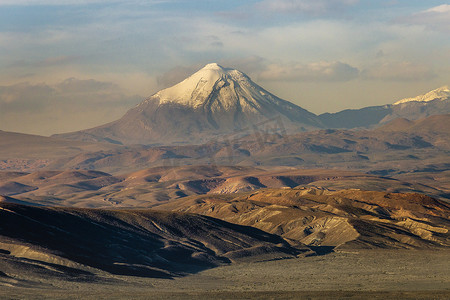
(345, 274)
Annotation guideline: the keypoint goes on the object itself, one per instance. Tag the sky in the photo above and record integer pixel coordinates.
(68, 65)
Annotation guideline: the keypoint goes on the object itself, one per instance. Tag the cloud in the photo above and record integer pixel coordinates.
(316, 7)
(75, 87)
(318, 71)
(72, 91)
(251, 65)
(69, 2)
(49, 2)
(56, 108)
(24, 97)
(47, 62)
(176, 75)
(436, 18)
(398, 71)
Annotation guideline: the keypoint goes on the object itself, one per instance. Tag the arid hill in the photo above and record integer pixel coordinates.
(386, 152)
(345, 219)
(423, 148)
(27, 152)
(437, 124)
(155, 186)
(147, 243)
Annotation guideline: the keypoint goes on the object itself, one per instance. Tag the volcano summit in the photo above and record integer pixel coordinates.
(213, 101)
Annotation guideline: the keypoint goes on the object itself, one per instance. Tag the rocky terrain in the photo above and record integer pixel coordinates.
(387, 245)
(346, 218)
(155, 186)
(126, 242)
(215, 188)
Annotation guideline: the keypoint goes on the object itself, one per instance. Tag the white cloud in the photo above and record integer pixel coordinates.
(73, 2)
(252, 64)
(316, 7)
(444, 8)
(317, 71)
(49, 2)
(435, 18)
(398, 71)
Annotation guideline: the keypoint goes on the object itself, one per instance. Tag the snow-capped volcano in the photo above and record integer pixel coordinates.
(194, 90)
(441, 93)
(214, 100)
(219, 88)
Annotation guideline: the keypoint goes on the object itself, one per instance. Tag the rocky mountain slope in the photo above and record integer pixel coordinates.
(214, 100)
(217, 101)
(432, 103)
(439, 94)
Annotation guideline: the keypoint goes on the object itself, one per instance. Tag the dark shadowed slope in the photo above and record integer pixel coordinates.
(130, 242)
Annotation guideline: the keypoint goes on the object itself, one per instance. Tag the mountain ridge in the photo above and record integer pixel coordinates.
(211, 102)
(216, 102)
(441, 93)
(435, 102)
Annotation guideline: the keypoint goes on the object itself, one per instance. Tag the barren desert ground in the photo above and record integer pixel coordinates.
(349, 274)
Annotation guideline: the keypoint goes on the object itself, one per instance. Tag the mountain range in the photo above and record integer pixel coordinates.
(217, 101)
(432, 103)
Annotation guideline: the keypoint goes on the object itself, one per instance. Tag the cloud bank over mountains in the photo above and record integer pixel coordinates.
(304, 51)
(23, 105)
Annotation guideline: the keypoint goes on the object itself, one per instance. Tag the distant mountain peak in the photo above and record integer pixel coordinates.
(212, 101)
(441, 93)
(213, 66)
(212, 81)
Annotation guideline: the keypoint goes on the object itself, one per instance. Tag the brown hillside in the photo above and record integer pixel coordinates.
(319, 217)
(131, 242)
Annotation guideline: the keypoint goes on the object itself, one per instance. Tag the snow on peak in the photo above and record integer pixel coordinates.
(441, 93)
(195, 90)
(213, 66)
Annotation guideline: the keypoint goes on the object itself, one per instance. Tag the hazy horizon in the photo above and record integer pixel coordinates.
(69, 65)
